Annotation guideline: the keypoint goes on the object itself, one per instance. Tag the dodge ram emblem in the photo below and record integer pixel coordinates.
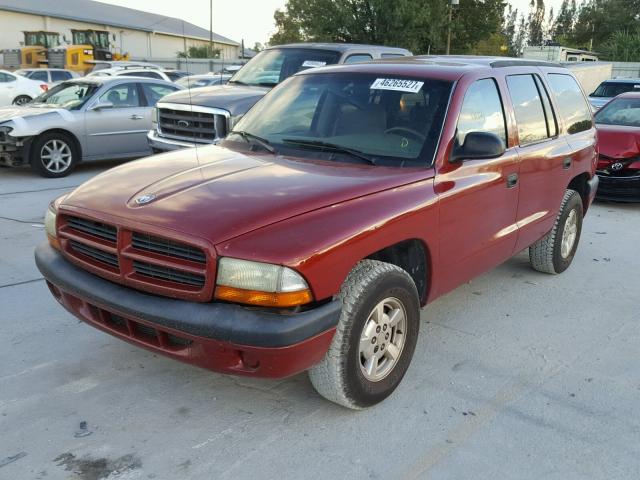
(617, 166)
(144, 199)
(183, 123)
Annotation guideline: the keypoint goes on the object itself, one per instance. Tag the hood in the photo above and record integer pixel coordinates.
(14, 112)
(236, 99)
(599, 102)
(216, 194)
(616, 141)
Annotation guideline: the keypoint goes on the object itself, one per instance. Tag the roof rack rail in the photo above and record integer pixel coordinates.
(523, 63)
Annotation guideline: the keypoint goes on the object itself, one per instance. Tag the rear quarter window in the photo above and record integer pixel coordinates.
(572, 106)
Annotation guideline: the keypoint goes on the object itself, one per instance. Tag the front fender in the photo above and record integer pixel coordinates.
(325, 244)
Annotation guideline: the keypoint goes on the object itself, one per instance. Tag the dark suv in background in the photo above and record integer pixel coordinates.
(206, 116)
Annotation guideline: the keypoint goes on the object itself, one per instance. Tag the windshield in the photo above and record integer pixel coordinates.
(70, 96)
(272, 66)
(613, 89)
(622, 111)
(392, 121)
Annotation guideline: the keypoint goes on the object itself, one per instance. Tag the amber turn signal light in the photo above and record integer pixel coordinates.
(54, 242)
(263, 299)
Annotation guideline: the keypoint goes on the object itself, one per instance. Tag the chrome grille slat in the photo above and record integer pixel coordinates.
(168, 274)
(170, 248)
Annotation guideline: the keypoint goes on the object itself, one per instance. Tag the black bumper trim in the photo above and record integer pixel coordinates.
(220, 321)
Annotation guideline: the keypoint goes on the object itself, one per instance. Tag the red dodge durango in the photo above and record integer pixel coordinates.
(348, 198)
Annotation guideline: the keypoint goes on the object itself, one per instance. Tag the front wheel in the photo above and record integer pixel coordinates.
(554, 252)
(375, 337)
(53, 155)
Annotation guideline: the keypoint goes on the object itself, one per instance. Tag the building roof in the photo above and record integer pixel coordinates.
(113, 16)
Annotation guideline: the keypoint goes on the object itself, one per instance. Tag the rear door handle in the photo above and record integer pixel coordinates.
(512, 180)
(566, 163)
(136, 117)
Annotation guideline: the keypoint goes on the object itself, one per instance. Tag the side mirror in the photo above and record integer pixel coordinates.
(477, 146)
(102, 105)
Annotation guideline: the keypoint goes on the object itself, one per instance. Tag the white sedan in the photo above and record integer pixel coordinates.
(18, 90)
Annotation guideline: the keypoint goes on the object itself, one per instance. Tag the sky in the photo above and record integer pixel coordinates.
(234, 19)
(251, 20)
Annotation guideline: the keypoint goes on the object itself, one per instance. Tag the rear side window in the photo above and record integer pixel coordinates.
(40, 76)
(481, 111)
(572, 106)
(358, 57)
(5, 77)
(528, 108)
(154, 92)
(58, 76)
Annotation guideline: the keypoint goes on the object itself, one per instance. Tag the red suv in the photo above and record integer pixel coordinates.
(343, 202)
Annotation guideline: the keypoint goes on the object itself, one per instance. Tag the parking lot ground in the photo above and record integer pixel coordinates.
(517, 375)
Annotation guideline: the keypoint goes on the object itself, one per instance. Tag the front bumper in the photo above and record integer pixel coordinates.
(14, 151)
(221, 337)
(158, 143)
(619, 188)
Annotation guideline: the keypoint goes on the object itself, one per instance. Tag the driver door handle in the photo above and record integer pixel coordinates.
(512, 180)
(136, 117)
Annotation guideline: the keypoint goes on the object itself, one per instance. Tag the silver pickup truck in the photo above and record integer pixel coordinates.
(206, 115)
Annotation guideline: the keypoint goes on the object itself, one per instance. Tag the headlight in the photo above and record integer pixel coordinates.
(256, 283)
(50, 226)
(154, 115)
(4, 131)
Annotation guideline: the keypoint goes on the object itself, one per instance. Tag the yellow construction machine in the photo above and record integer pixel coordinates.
(34, 52)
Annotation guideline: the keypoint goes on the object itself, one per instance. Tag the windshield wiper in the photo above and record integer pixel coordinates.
(249, 137)
(330, 146)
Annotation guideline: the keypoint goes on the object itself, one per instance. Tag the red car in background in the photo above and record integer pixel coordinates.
(618, 124)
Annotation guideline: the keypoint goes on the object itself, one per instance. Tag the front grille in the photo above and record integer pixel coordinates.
(168, 274)
(96, 254)
(97, 229)
(56, 59)
(150, 263)
(142, 241)
(196, 126)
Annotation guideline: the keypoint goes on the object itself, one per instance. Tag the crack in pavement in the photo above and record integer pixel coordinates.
(41, 190)
(33, 280)
(28, 222)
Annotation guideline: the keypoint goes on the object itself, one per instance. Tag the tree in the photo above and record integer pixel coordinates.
(562, 28)
(204, 51)
(418, 25)
(257, 47)
(535, 22)
(622, 47)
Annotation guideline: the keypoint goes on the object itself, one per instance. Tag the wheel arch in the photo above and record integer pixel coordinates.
(71, 135)
(413, 256)
(579, 183)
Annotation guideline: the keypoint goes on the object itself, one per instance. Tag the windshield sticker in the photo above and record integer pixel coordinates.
(399, 85)
(313, 63)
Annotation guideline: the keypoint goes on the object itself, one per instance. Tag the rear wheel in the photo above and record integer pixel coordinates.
(554, 252)
(22, 100)
(375, 338)
(53, 155)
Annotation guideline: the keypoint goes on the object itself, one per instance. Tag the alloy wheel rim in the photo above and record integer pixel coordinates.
(56, 156)
(382, 339)
(569, 234)
(22, 101)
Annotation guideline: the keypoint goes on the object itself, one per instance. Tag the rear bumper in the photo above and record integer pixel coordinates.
(221, 337)
(619, 189)
(159, 143)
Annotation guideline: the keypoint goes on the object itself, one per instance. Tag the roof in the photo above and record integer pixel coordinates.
(446, 67)
(622, 80)
(341, 47)
(111, 15)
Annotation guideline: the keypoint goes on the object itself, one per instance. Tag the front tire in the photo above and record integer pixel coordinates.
(22, 100)
(375, 337)
(53, 155)
(554, 252)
